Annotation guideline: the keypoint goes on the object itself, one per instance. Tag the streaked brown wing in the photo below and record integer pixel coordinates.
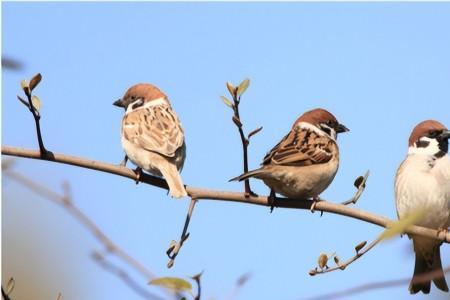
(155, 128)
(300, 148)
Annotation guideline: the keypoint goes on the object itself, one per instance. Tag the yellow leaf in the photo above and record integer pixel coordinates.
(173, 283)
(230, 88)
(10, 286)
(226, 101)
(36, 102)
(400, 226)
(24, 84)
(243, 86)
(322, 260)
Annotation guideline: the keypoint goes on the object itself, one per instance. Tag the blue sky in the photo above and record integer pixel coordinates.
(380, 68)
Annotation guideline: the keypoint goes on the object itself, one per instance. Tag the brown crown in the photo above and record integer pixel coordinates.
(422, 129)
(316, 116)
(145, 91)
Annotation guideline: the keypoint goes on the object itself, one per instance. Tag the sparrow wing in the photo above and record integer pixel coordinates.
(155, 128)
(301, 147)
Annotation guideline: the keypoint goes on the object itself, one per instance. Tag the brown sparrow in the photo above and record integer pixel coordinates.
(152, 136)
(423, 182)
(305, 161)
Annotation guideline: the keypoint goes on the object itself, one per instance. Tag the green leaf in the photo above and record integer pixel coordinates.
(173, 283)
(226, 101)
(10, 286)
(243, 86)
(400, 226)
(36, 102)
(35, 81)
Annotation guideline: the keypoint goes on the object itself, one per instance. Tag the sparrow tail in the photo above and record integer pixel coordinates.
(421, 268)
(246, 175)
(173, 178)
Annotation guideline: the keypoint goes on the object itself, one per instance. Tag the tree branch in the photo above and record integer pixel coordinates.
(205, 194)
(67, 203)
(361, 249)
(380, 285)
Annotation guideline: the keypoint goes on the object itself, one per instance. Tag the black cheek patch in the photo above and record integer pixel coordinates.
(136, 105)
(327, 130)
(422, 144)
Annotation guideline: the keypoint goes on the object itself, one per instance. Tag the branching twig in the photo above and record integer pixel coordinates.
(236, 93)
(381, 285)
(205, 194)
(361, 249)
(32, 104)
(67, 203)
(175, 246)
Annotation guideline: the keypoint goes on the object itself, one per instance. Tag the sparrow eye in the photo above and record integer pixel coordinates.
(433, 133)
(133, 97)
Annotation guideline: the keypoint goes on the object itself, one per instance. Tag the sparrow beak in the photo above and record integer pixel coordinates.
(119, 103)
(445, 135)
(341, 128)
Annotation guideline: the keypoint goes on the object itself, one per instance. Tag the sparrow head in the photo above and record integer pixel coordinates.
(138, 95)
(429, 137)
(322, 120)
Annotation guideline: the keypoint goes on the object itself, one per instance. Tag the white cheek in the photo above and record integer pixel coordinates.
(431, 149)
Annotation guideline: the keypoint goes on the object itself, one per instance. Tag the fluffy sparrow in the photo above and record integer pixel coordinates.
(305, 161)
(423, 182)
(152, 136)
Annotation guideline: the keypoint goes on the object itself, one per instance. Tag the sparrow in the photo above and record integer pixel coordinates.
(152, 136)
(423, 182)
(303, 164)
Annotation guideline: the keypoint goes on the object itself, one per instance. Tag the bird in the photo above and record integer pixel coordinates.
(152, 135)
(303, 164)
(422, 182)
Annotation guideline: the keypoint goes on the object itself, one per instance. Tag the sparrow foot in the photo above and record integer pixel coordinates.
(123, 163)
(272, 200)
(138, 172)
(313, 205)
(442, 229)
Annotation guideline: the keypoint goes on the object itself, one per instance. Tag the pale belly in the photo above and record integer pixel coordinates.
(301, 182)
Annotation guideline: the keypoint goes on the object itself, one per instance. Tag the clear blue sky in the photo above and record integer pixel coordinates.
(380, 68)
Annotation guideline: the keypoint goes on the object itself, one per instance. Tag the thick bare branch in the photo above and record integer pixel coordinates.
(205, 194)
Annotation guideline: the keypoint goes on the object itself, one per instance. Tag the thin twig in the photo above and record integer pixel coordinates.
(36, 115)
(343, 265)
(197, 278)
(175, 246)
(205, 194)
(381, 285)
(66, 202)
(360, 184)
(4, 295)
(236, 94)
(132, 284)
